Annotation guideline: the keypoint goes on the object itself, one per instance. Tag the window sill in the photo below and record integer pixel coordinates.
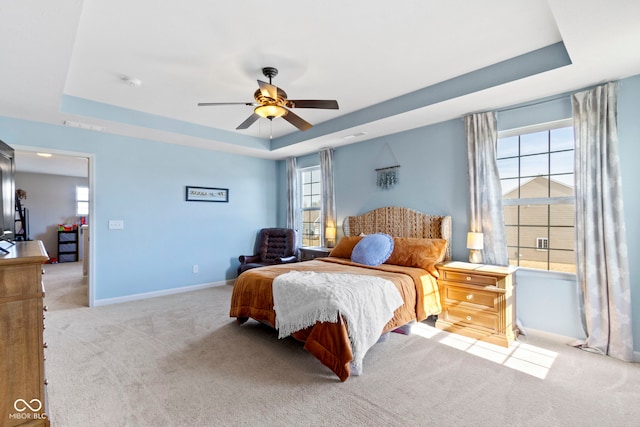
(545, 274)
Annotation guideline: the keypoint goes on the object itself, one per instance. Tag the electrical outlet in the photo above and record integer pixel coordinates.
(195, 268)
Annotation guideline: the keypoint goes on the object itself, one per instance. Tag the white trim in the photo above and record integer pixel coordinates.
(536, 128)
(563, 339)
(92, 212)
(550, 336)
(164, 292)
(547, 274)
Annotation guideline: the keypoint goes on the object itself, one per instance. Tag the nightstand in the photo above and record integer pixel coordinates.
(478, 301)
(311, 252)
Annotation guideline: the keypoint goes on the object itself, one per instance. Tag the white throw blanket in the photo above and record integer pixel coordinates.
(367, 303)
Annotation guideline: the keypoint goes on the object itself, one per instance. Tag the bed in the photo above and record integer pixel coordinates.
(420, 242)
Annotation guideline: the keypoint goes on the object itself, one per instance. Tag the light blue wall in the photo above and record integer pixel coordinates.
(432, 176)
(426, 157)
(143, 183)
(433, 179)
(629, 136)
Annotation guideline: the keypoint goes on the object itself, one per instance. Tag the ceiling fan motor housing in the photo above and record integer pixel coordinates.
(270, 72)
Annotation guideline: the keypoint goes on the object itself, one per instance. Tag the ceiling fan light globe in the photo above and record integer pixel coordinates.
(270, 111)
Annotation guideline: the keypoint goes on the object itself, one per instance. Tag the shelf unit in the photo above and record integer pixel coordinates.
(21, 222)
(68, 245)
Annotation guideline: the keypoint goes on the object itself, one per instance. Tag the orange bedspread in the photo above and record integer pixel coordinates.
(329, 342)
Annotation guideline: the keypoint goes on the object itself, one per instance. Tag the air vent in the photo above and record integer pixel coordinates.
(83, 126)
(355, 135)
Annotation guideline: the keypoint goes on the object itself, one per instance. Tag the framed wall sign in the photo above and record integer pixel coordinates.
(207, 194)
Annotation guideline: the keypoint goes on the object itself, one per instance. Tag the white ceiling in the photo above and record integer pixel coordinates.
(57, 164)
(65, 60)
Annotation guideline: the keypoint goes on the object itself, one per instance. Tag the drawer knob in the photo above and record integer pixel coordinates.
(470, 296)
(468, 318)
(468, 278)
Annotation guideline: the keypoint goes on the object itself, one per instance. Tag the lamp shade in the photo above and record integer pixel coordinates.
(271, 111)
(330, 233)
(475, 241)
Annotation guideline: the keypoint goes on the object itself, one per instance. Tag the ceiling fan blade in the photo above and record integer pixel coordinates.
(268, 89)
(297, 121)
(207, 104)
(252, 118)
(326, 104)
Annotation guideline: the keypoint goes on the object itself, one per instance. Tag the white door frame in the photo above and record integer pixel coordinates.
(91, 165)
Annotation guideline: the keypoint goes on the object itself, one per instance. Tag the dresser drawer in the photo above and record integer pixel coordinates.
(483, 299)
(20, 280)
(463, 277)
(472, 317)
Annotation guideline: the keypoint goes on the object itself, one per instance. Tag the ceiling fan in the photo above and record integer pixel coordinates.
(271, 102)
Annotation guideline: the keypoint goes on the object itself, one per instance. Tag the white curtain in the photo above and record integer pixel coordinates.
(601, 248)
(485, 193)
(328, 194)
(293, 200)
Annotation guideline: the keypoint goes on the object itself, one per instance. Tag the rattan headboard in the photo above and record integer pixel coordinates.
(400, 222)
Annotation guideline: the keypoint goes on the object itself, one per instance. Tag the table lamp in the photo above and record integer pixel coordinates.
(475, 244)
(330, 236)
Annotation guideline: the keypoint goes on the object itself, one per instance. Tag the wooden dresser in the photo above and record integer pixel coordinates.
(478, 301)
(22, 379)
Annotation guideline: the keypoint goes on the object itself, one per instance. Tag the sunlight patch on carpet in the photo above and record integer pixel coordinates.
(523, 357)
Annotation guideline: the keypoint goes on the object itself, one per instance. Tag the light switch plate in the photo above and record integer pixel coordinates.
(116, 224)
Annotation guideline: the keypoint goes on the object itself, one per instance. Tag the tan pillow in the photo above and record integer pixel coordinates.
(345, 246)
(415, 252)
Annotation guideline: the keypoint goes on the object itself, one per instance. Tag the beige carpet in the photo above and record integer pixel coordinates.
(181, 361)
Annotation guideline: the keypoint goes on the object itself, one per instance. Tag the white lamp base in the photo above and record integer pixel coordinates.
(475, 256)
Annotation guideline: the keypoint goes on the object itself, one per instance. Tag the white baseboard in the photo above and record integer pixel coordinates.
(565, 340)
(164, 292)
(551, 336)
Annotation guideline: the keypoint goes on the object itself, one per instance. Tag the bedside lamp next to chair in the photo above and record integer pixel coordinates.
(475, 244)
(330, 236)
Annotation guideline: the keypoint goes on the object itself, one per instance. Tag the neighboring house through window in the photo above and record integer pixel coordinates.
(310, 206)
(537, 175)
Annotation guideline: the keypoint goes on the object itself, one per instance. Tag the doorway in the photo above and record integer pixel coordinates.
(50, 179)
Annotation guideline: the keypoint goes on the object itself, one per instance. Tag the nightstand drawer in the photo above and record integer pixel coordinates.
(472, 317)
(484, 299)
(312, 252)
(476, 279)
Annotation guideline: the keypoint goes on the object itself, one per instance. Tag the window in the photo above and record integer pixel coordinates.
(537, 176)
(311, 197)
(82, 201)
(542, 243)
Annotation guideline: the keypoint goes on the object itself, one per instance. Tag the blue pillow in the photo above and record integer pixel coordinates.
(373, 249)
